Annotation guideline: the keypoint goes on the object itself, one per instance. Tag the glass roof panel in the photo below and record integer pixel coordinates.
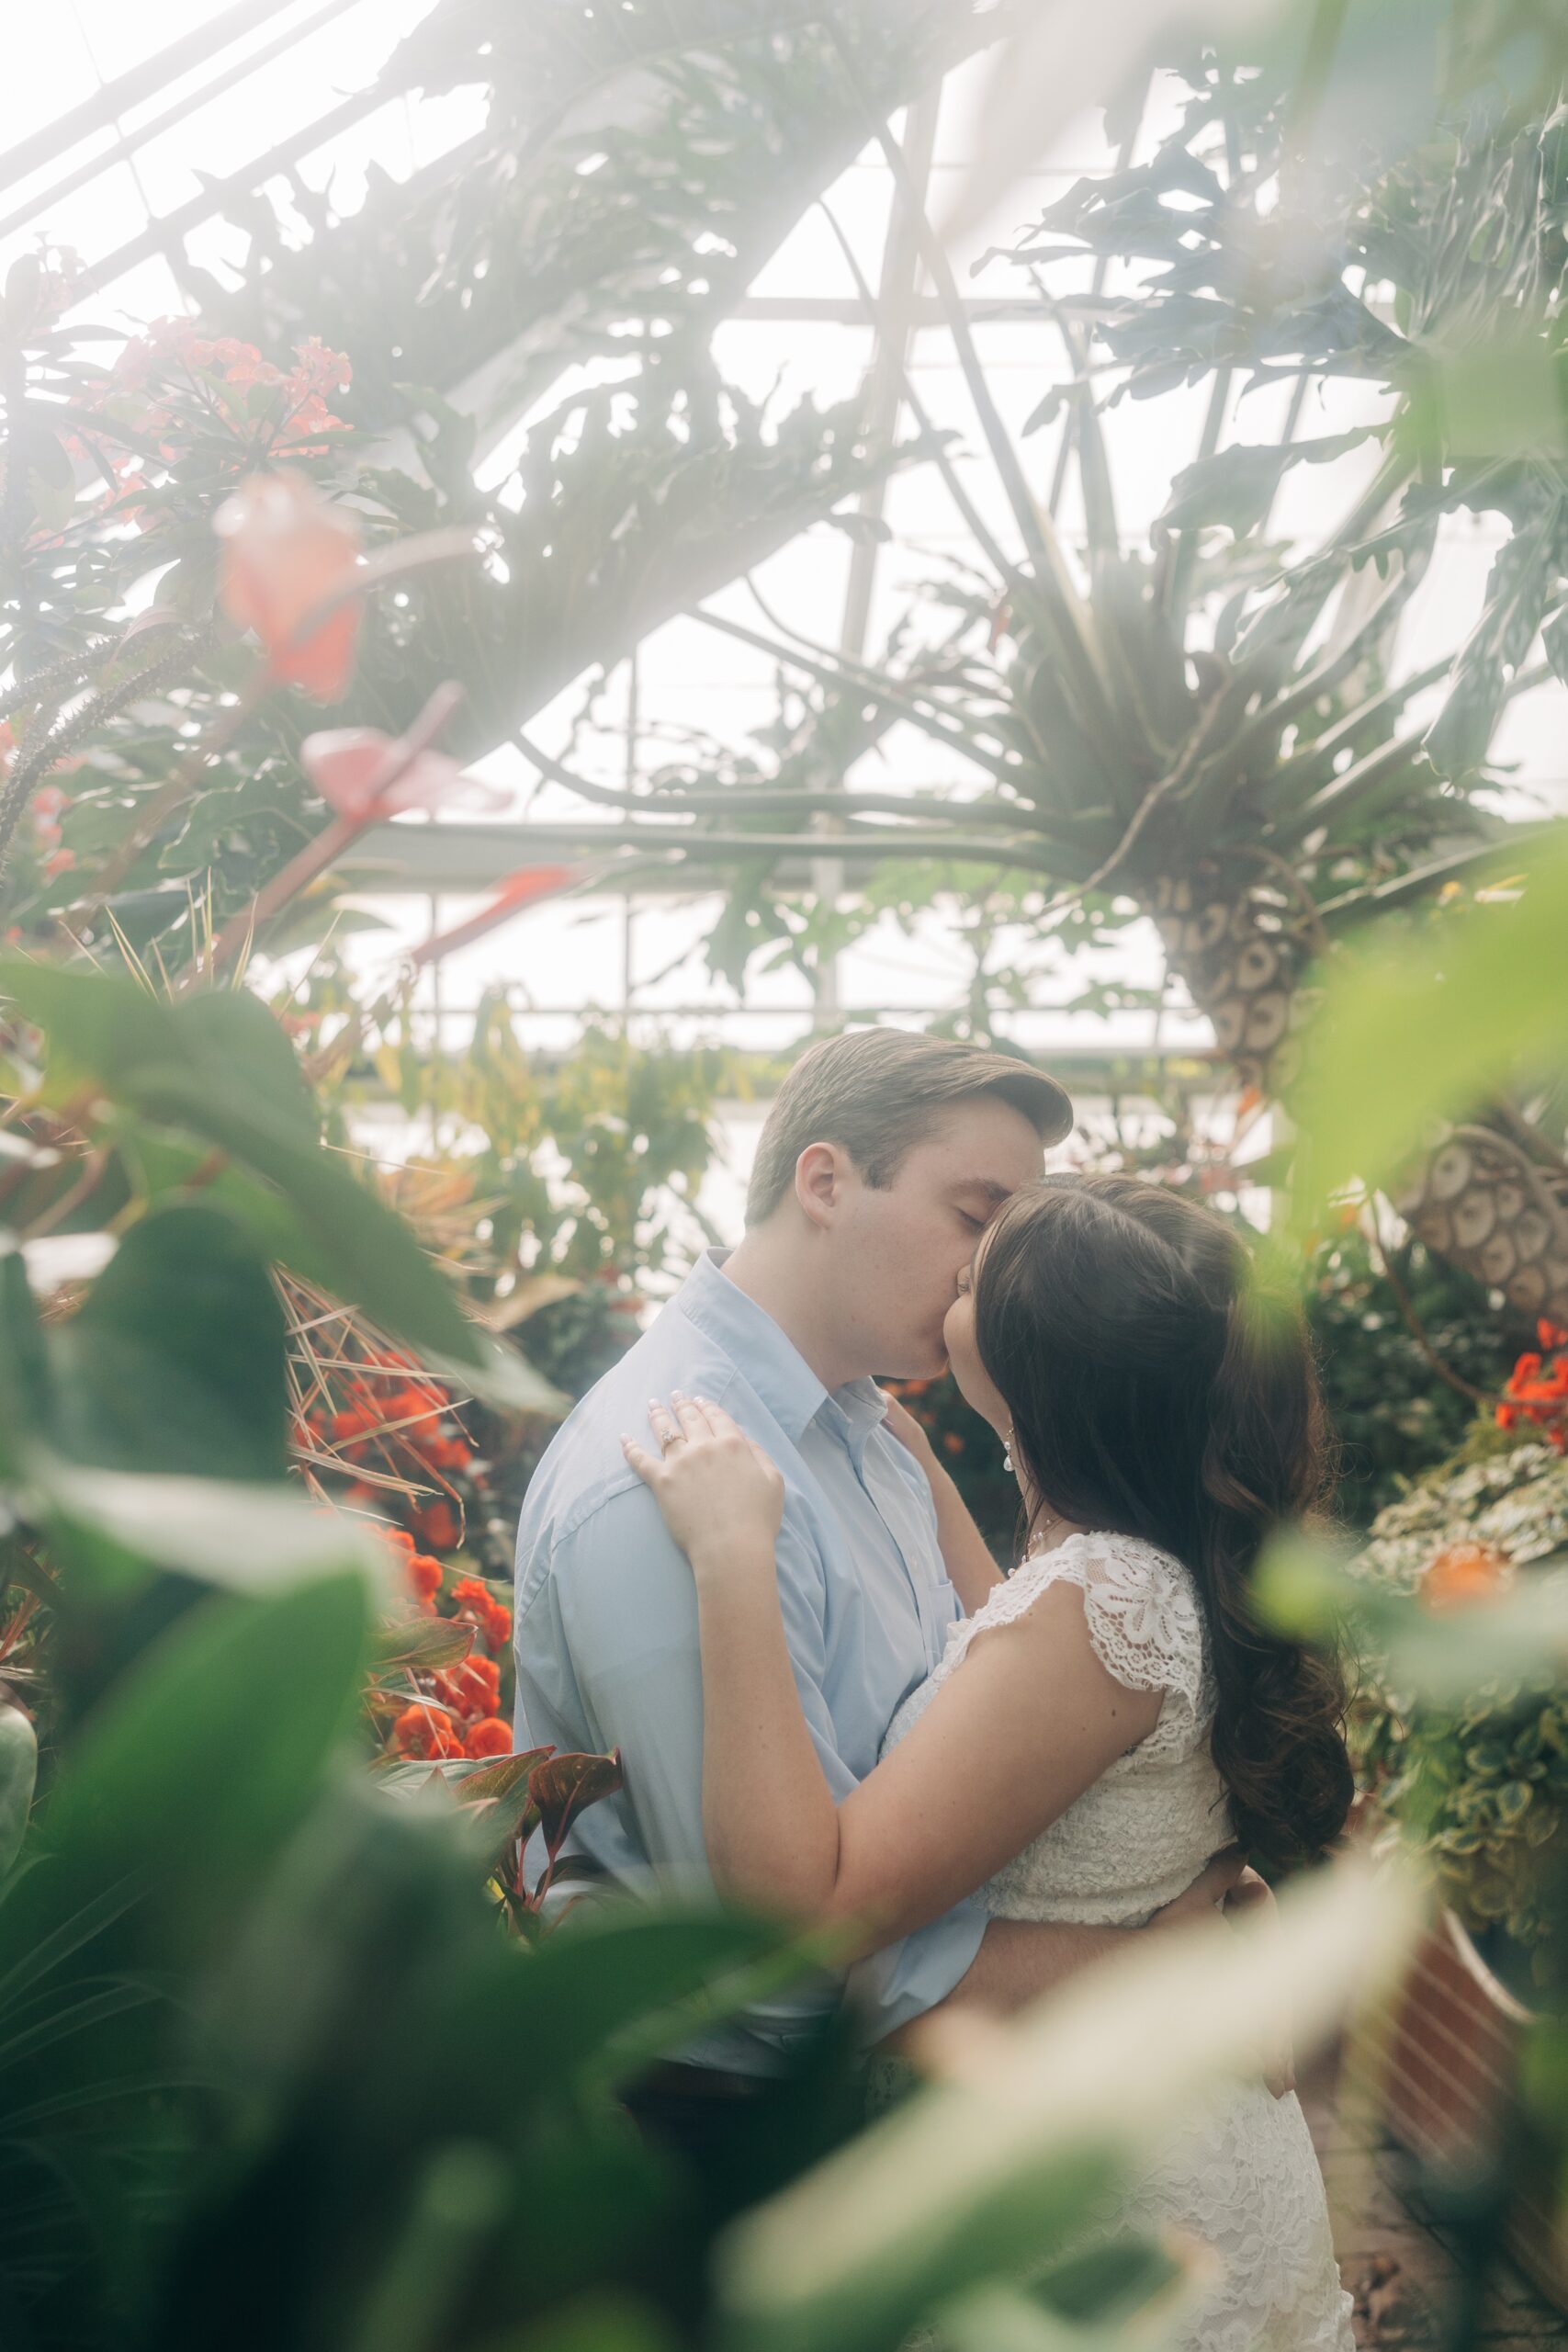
(802, 333)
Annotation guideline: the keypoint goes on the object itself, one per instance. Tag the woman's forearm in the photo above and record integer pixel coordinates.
(970, 1567)
(770, 1822)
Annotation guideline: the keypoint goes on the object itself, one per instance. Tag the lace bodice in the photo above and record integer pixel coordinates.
(1146, 1827)
(1242, 2176)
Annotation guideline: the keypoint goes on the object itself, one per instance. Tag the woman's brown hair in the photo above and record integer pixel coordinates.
(1157, 1389)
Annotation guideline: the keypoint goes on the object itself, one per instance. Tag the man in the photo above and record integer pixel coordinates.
(884, 1158)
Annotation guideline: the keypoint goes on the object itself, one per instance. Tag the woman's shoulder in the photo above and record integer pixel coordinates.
(1140, 1601)
(1105, 1562)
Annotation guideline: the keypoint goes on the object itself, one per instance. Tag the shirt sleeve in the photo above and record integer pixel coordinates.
(629, 1612)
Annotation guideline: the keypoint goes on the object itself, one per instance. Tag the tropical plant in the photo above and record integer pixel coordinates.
(262, 2033)
(627, 502)
(1435, 271)
(1476, 1785)
(1407, 1348)
(1216, 734)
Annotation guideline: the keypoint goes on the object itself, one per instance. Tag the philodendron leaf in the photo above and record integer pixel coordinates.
(218, 1068)
(1235, 487)
(1427, 1025)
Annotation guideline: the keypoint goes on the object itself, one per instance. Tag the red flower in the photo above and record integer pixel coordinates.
(286, 549)
(1537, 1391)
(475, 1603)
(425, 1575)
(490, 1737)
(436, 1525)
(472, 1688)
(423, 1731)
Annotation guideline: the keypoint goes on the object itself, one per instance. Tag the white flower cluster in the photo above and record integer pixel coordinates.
(1516, 1500)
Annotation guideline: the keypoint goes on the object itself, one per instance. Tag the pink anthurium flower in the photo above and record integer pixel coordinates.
(524, 889)
(364, 775)
(288, 551)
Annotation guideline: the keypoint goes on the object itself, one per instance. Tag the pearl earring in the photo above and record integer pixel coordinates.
(1007, 1453)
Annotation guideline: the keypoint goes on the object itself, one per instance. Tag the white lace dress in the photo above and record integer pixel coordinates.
(1245, 2179)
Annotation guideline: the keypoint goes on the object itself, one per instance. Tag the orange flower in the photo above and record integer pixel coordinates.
(472, 1688)
(1537, 1390)
(423, 1731)
(425, 1575)
(951, 1442)
(493, 1736)
(436, 1525)
(286, 549)
(474, 1603)
(1461, 1574)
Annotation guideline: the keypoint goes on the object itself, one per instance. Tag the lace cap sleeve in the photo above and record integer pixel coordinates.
(1143, 1616)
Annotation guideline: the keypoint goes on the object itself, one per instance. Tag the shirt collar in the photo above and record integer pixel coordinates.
(772, 1364)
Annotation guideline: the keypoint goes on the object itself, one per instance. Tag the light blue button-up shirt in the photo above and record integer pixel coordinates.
(606, 1622)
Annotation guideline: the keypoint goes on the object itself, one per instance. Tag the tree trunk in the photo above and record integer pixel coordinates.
(1243, 948)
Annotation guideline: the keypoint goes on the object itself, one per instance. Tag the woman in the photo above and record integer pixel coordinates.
(1105, 1717)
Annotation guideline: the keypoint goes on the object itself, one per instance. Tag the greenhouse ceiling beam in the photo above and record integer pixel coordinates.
(884, 397)
(1091, 1071)
(850, 311)
(405, 860)
(127, 142)
(165, 235)
(128, 89)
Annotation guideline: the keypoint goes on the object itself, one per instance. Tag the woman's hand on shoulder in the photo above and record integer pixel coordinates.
(901, 1423)
(721, 1494)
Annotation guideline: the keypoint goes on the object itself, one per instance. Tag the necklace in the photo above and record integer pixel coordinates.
(1042, 1530)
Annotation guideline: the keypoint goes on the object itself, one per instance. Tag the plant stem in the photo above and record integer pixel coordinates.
(333, 839)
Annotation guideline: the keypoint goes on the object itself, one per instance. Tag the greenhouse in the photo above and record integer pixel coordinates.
(784, 1176)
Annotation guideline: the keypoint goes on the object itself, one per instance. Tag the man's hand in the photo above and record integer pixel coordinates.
(1226, 1884)
(1209, 1891)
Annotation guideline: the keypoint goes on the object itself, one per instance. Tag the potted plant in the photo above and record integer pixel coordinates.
(1478, 1791)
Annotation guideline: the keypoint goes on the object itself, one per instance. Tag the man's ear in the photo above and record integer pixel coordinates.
(819, 1178)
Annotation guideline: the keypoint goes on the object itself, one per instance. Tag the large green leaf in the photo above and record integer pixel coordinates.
(1424, 1026)
(614, 1987)
(112, 1528)
(190, 1774)
(174, 1361)
(147, 1431)
(218, 1068)
(976, 2178)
